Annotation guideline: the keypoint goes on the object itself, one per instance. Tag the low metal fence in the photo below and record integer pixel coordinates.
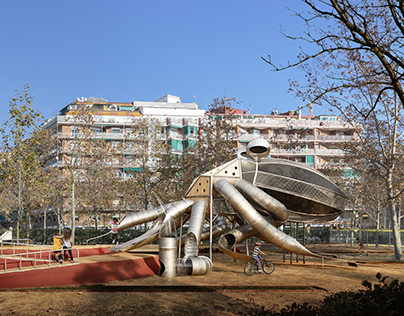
(43, 255)
(348, 236)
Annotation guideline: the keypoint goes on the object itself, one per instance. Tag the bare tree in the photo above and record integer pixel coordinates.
(379, 157)
(148, 166)
(217, 136)
(87, 161)
(22, 172)
(369, 33)
(357, 67)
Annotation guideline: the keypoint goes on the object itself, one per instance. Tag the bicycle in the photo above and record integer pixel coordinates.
(251, 267)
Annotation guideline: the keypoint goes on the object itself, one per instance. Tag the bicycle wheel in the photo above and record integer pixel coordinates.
(268, 267)
(249, 268)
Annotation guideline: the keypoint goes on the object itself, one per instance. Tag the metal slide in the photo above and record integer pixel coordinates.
(192, 264)
(174, 210)
(195, 227)
(266, 230)
(7, 236)
(148, 237)
(219, 227)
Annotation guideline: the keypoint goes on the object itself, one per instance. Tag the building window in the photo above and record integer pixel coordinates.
(130, 160)
(74, 132)
(174, 132)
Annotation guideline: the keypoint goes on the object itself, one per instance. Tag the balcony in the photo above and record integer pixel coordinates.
(176, 122)
(191, 137)
(176, 151)
(287, 137)
(292, 123)
(176, 136)
(253, 136)
(98, 119)
(298, 152)
(329, 152)
(337, 137)
(114, 136)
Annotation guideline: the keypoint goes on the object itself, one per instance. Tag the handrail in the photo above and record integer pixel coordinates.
(11, 243)
(49, 259)
(103, 235)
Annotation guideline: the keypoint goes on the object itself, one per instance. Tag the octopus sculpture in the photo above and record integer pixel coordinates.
(262, 194)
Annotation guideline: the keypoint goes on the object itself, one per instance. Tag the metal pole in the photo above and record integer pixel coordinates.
(234, 246)
(304, 241)
(179, 245)
(367, 237)
(211, 220)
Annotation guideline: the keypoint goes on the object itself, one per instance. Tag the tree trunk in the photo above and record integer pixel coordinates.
(60, 219)
(73, 210)
(396, 231)
(44, 225)
(377, 229)
(19, 206)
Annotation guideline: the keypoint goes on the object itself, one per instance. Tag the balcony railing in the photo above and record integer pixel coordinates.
(285, 137)
(291, 123)
(99, 119)
(320, 152)
(253, 136)
(336, 137)
(291, 151)
(337, 152)
(177, 136)
(191, 137)
(117, 136)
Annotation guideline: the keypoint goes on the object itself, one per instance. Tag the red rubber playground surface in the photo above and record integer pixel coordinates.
(96, 265)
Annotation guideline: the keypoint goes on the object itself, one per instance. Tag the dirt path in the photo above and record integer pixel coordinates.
(227, 294)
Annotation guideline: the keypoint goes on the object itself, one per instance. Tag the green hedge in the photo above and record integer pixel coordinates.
(379, 299)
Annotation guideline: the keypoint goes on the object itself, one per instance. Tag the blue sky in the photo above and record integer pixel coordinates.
(126, 50)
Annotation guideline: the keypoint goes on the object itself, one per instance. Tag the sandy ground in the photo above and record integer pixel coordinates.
(158, 296)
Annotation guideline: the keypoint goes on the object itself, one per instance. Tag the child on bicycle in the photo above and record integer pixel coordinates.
(361, 247)
(256, 255)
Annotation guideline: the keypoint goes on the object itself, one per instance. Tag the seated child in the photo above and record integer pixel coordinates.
(57, 246)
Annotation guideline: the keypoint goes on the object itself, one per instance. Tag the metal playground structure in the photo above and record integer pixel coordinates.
(260, 194)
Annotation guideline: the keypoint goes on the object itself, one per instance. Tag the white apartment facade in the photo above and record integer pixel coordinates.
(312, 140)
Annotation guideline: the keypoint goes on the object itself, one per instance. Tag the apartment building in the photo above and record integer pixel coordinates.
(115, 122)
(311, 140)
(307, 139)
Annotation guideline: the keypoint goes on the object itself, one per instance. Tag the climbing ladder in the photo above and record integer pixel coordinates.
(297, 231)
